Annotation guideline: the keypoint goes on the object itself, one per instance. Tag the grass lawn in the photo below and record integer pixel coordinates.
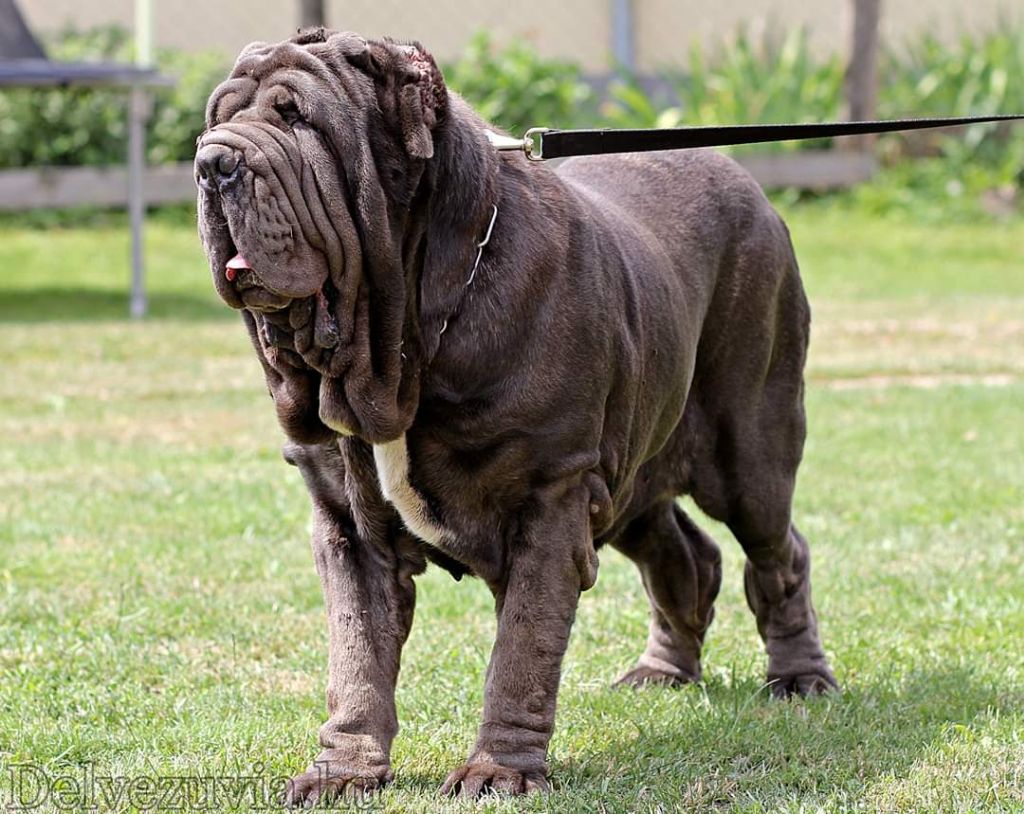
(159, 612)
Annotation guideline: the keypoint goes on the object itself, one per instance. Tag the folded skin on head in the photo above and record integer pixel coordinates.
(342, 194)
(307, 171)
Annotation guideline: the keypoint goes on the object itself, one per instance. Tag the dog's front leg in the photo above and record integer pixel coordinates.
(551, 559)
(369, 597)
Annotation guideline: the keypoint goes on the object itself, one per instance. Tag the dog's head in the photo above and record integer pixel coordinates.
(312, 155)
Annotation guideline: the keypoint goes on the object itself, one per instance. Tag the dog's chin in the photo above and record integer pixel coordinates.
(264, 301)
(242, 286)
(302, 331)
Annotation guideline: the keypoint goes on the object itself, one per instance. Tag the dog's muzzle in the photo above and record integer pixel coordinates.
(218, 168)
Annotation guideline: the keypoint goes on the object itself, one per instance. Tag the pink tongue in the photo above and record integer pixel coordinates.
(234, 265)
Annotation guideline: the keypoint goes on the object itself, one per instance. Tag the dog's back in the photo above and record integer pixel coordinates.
(741, 291)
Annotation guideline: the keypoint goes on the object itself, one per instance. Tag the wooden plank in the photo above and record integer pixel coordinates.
(44, 73)
(818, 170)
(61, 187)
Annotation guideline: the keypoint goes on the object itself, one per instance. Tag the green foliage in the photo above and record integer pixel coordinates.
(776, 79)
(630, 105)
(179, 114)
(782, 79)
(748, 80)
(779, 79)
(772, 78)
(978, 76)
(67, 126)
(55, 126)
(516, 88)
(512, 86)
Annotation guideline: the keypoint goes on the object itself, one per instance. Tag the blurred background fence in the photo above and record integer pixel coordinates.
(589, 33)
(577, 63)
(624, 63)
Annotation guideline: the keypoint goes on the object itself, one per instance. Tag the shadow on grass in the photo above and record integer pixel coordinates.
(52, 304)
(776, 753)
(738, 750)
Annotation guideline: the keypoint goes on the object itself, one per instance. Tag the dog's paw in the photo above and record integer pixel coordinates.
(328, 780)
(817, 682)
(649, 676)
(474, 779)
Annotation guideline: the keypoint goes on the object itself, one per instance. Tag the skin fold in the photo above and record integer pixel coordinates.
(636, 331)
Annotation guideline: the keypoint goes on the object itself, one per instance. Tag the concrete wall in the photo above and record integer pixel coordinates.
(574, 29)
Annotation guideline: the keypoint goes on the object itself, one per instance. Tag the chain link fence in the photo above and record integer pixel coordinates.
(577, 30)
(596, 34)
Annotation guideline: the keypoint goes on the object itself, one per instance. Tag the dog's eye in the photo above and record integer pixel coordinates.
(289, 112)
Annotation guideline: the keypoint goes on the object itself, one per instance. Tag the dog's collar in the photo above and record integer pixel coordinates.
(481, 244)
(479, 254)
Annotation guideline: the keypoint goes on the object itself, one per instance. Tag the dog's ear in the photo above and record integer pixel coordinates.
(411, 90)
(421, 99)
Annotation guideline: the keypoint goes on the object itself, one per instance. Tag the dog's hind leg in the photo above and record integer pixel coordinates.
(754, 478)
(681, 569)
(777, 579)
(750, 424)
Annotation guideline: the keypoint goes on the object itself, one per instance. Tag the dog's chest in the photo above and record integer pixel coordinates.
(392, 461)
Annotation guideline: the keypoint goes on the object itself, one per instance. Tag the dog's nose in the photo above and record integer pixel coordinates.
(217, 166)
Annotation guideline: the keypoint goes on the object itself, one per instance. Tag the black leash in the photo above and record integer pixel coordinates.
(540, 143)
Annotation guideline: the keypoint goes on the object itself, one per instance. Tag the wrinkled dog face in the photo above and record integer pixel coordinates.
(286, 175)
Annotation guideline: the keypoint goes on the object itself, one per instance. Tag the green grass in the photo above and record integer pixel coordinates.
(159, 613)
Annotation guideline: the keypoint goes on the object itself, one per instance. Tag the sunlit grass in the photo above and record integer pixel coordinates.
(159, 613)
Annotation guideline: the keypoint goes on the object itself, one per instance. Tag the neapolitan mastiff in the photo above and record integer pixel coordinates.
(633, 330)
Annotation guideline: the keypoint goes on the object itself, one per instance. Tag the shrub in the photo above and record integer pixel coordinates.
(773, 79)
(66, 126)
(512, 86)
(515, 88)
(89, 125)
(179, 114)
(978, 76)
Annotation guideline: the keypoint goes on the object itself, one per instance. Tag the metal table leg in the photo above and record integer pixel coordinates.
(138, 113)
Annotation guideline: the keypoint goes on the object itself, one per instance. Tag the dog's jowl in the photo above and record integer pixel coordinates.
(635, 330)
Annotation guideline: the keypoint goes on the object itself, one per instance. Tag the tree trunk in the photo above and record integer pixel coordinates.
(862, 71)
(311, 13)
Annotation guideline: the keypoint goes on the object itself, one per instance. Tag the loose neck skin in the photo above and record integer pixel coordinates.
(459, 188)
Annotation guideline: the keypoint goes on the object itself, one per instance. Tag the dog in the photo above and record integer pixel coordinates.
(498, 367)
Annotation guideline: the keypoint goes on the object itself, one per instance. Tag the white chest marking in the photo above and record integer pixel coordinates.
(392, 460)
